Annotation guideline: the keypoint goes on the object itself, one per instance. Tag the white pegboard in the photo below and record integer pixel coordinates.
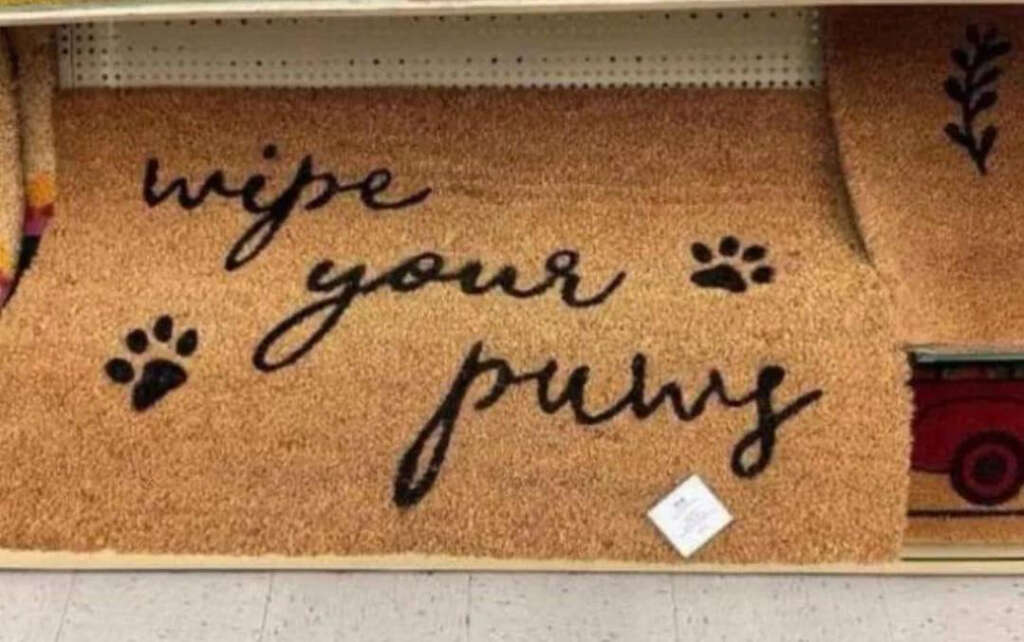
(729, 48)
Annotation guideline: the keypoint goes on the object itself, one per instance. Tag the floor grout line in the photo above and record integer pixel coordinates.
(675, 609)
(67, 603)
(266, 604)
(469, 604)
(884, 593)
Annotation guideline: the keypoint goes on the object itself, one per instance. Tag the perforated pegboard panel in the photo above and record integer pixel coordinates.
(734, 48)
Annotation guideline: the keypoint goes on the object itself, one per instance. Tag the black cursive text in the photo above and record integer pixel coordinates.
(274, 212)
(413, 480)
(412, 274)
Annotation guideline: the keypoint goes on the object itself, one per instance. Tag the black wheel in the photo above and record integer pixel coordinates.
(988, 468)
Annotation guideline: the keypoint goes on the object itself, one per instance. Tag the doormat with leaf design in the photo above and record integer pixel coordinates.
(472, 324)
(928, 106)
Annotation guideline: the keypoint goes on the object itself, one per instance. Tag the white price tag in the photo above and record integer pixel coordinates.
(690, 516)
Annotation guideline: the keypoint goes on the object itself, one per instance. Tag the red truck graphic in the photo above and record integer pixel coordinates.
(969, 423)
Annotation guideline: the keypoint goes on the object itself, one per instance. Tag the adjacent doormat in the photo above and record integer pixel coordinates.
(35, 55)
(488, 324)
(927, 104)
(967, 457)
(10, 179)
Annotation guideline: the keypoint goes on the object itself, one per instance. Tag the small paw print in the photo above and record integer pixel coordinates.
(726, 275)
(159, 376)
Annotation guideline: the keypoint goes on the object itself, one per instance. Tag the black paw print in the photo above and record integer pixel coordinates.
(159, 376)
(725, 275)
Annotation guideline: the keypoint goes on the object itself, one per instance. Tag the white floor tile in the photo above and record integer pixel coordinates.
(145, 607)
(791, 608)
(499, 607)
(368, 607)
(31, 605)
(566, 608)
(956, 608)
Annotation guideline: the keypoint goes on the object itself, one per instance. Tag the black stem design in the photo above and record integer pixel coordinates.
(971, 93)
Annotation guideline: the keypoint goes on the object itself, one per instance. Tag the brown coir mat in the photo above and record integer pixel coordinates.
(927, 104)
(465, 323)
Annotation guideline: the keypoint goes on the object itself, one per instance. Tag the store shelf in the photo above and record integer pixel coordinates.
(755, 48)
(78, 11)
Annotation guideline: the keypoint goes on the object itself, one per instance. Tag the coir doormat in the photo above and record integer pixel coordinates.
(489, 323)
(926, 104)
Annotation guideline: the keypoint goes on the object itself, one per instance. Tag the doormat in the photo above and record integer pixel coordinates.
(10, 179)
(469, 323)
(967, 458)
(925, 103)
(35, 56)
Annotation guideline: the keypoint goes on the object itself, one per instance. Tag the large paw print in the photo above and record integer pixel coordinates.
(159, 375)
(728, 273)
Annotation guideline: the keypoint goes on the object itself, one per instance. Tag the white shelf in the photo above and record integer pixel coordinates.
(742, 48)
(106, 11)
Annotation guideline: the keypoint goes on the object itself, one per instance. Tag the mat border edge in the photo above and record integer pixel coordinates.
(918, 559)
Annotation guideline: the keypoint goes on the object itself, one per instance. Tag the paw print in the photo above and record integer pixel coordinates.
(726, 274)
(159, 376)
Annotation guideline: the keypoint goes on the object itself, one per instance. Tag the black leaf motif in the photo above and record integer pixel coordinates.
(956, 135)
(955, 90)
(998, 49)
(988, 138)
(960, 58)
(985, 101)
(988, 77)
(975, 92)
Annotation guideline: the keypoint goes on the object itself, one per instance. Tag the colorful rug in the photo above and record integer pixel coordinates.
(482, 324)
(31, 151)
(10, 178)
(37, 79)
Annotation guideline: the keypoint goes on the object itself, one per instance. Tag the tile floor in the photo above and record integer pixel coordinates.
(478, 607)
